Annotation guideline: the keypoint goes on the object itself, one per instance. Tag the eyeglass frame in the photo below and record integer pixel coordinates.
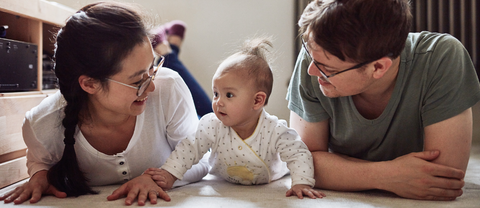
(325, 76)
(144, 85)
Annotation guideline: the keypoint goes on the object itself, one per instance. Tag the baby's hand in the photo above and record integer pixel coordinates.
(163, 178)
(301, 189)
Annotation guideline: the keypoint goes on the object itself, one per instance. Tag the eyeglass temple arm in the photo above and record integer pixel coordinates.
(158, 58)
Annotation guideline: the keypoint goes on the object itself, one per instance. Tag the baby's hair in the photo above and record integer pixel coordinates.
(256, 63)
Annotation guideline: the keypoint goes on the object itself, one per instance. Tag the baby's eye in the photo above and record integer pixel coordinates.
(215, 94)
(229, 95)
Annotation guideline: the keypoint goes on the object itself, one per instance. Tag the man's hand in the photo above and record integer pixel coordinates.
(414, 176)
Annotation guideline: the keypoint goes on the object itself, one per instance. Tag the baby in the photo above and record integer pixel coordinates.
(248, 145)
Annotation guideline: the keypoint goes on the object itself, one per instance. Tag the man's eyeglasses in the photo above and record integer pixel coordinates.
(144, 85)
(325, 76)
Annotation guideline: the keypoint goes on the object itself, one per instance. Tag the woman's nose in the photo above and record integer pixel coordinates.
(151, 87)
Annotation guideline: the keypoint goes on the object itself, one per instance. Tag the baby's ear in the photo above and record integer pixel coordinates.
(260, 98)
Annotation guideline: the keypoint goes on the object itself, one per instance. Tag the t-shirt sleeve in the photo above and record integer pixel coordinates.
(303, 92)
(38, 157)
(178, 109)
(453, 85)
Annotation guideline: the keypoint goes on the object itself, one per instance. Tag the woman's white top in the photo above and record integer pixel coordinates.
(168, 118)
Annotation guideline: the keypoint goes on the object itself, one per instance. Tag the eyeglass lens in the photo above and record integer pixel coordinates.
(324, 77)
(145, 85)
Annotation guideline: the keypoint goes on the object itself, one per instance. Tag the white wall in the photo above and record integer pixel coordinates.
(217, 27)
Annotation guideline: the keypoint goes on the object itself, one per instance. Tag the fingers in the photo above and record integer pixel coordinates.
(142, 196)
(118, 193)
(289, 193)
(299, 194)
(438, 194)
(17, 196)
(443, 194)
(54, 191)
(163, 195)
(313, 194)
(319, 194)
(6, 196)
(306, 191)
(152, 171)
(446, 172)
(158, 177)
(152, 195)
(3, 197)
(132, 194)
(36, 196)
(13, 195)
(436, 169)
(427, 155)
(446, 183)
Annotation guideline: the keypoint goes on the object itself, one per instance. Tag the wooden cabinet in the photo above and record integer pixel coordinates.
(31, 21)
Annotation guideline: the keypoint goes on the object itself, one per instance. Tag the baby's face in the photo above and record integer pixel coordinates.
(233, 98)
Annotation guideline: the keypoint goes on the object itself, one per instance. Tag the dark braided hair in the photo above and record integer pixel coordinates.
(93, 42)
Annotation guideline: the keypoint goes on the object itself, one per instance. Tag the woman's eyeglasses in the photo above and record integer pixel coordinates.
(144, 85)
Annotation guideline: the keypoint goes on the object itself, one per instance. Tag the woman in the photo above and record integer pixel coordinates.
(115, 116)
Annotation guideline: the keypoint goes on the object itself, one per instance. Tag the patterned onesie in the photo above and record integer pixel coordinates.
(255, 160)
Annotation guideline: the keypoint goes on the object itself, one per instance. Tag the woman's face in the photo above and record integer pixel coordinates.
(118, 99)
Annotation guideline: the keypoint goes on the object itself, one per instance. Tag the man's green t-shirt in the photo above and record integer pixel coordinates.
(436, 81)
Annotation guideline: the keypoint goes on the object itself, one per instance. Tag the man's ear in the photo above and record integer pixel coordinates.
(381, 67)
(88, 84)
(260, 98)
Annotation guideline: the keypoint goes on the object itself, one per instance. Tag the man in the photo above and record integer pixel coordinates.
(379, 107)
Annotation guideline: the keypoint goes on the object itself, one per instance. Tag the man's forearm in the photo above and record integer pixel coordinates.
(342, 173)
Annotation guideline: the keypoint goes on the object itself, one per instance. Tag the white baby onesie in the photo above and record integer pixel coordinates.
(255, 160)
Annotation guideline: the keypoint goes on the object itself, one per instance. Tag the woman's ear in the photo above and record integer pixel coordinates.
(88, 84)
(381, 67)
(260, 98)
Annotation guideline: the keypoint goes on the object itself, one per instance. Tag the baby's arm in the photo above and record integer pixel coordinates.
(187, 153)
(301, 190)
(300, 163)
(194, 174)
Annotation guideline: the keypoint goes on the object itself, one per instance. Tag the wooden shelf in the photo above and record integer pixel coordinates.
(40, 10)
(31, 21)
(34, 21)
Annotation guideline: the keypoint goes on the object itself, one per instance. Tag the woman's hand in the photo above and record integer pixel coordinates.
(414, 176)
(33, 190)
(142, 187)
(163, 178)
(301, 190)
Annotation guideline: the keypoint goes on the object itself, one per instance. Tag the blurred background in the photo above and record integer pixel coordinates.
(216, 28)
